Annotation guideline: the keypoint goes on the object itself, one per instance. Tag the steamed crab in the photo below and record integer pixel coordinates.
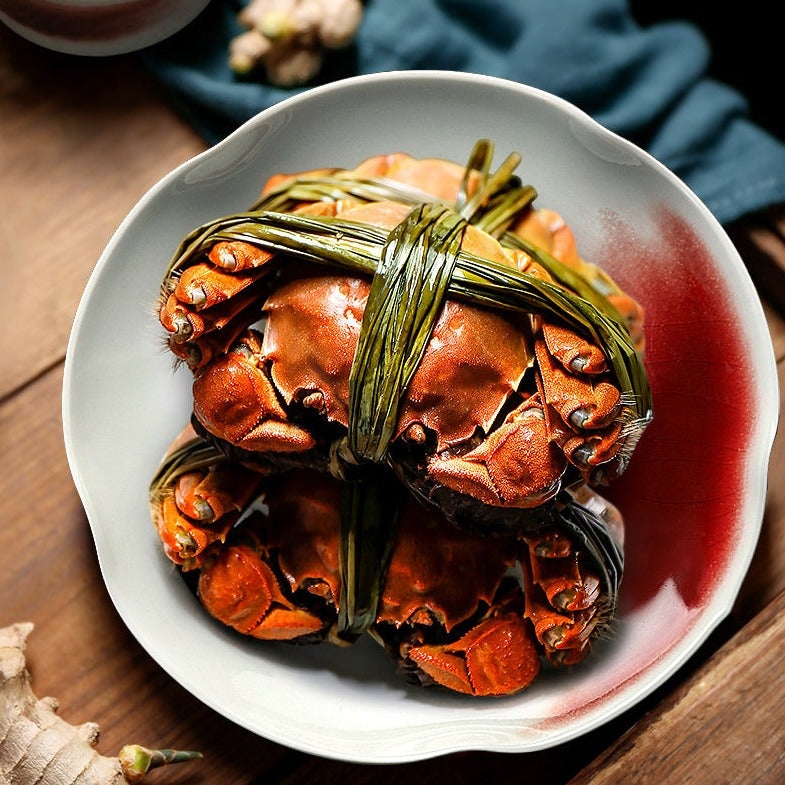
(468, 612)
(415, 323)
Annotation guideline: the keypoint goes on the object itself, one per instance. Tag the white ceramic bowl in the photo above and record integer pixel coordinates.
(693, 498)
(98, 27)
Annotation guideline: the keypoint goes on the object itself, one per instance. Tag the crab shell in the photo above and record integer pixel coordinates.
(474, 362)
(501, 406)
(276, 577)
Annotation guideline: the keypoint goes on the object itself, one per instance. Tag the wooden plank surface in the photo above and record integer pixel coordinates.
(722, 726)
(759, 239)
(73, 161)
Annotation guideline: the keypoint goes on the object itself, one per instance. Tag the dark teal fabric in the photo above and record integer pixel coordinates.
(647, 84)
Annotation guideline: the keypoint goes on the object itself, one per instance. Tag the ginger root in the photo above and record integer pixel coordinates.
(288, 37)
(37, 746)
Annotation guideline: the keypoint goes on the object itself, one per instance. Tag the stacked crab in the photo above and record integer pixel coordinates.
(415, 373)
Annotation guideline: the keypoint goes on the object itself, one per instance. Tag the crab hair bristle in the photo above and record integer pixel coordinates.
(633, 425)
(168, 285)
(631, 434)
(606, 626)
(158, 493)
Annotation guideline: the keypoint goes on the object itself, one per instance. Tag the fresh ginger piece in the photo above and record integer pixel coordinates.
(38, 746)
(286, 38)
(339, 22)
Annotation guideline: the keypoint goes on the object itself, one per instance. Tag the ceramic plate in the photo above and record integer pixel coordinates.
(693, 497)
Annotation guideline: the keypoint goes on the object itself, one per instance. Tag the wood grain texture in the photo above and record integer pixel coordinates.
(766, 576)
(73, 161)
(759, 239)
(724, 725)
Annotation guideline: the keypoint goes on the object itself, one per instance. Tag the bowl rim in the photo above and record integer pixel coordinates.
(756, 478)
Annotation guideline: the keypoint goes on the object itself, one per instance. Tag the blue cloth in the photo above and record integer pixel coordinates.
(647, 84)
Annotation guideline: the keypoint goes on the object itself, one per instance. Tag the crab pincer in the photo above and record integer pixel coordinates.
(196, 498)
(235, 400)
(239, 588)
(515, 466)
(497, 657)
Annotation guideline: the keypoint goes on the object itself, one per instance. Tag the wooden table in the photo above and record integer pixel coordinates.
(80, 142)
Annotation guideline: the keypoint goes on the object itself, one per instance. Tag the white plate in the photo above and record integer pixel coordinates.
(693, 498)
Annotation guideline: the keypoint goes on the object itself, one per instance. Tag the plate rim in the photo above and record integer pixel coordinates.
(755, 474)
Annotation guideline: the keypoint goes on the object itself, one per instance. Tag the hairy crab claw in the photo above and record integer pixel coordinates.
(239, 587)
(516, 466)
(235, 400)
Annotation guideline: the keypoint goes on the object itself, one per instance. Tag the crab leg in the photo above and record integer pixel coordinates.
(186, 323)
(582, 403)
(208, 294)
(206, 496)
(196, 500)
(561, 596)
(235, 256)
(591, 452)
(572, 350)
(556, 569)
(203, 286)
(498, 656)
(196, 354)
(184, 539)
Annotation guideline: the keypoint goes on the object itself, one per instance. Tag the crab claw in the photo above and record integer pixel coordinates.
(582, 403)
(516, 466)
(563, 595)
(496, 657)
(236, 401)
(240, 589)
(185, 540)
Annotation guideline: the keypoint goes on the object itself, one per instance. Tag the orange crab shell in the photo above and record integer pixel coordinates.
(473, 366)
(313, 324)
(450, 610)
(429, 584)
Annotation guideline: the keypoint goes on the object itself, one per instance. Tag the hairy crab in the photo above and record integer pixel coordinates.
(416, 365)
